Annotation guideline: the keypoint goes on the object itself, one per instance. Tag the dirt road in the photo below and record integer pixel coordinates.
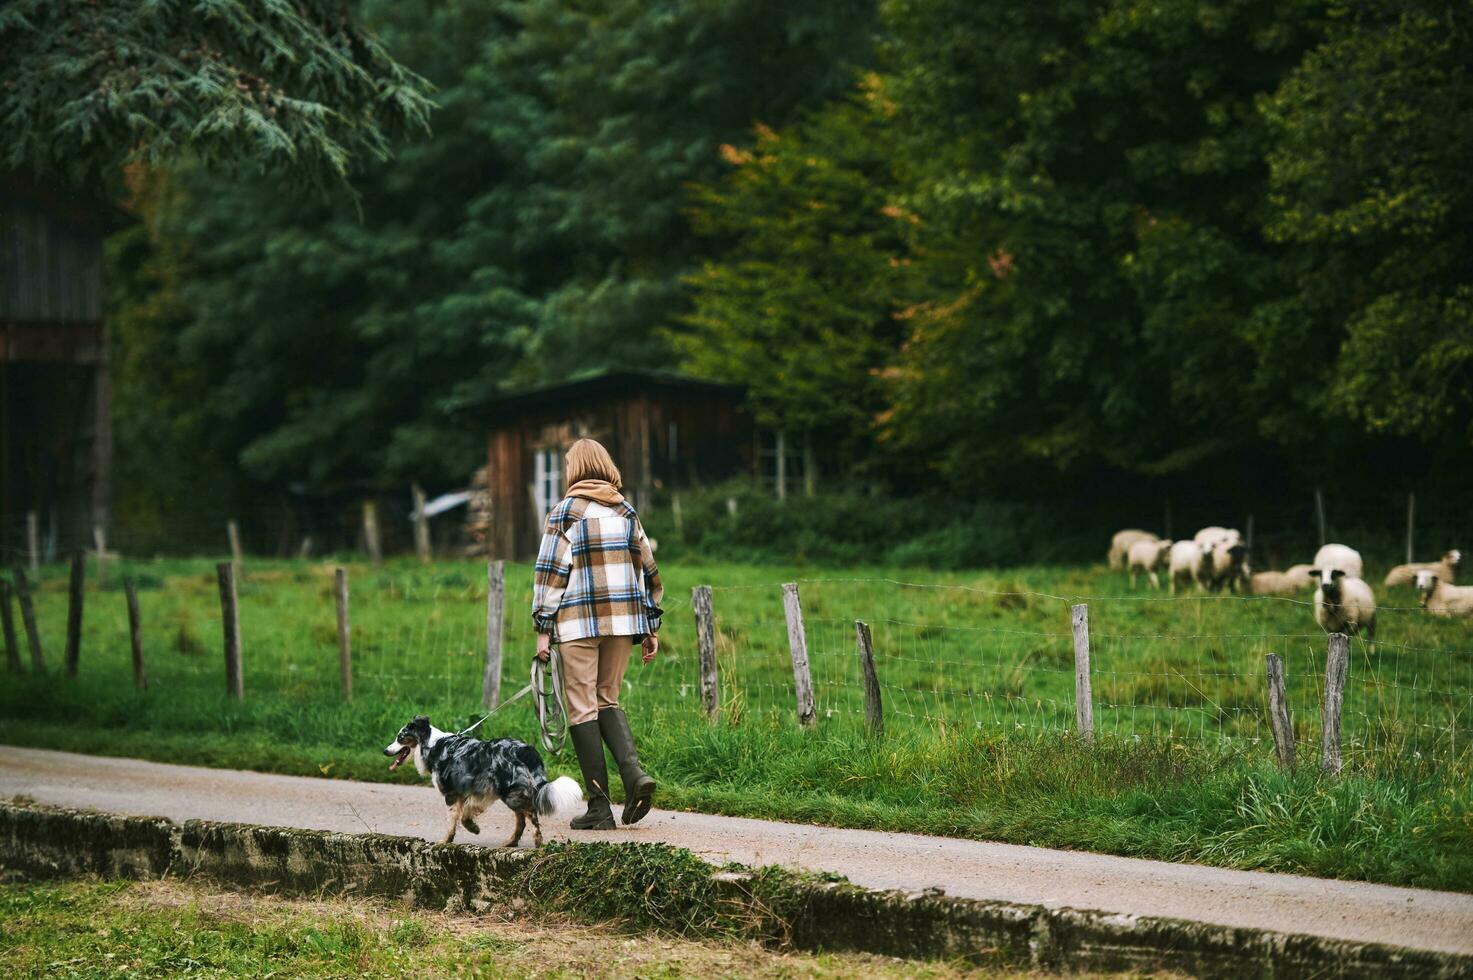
(970, 869)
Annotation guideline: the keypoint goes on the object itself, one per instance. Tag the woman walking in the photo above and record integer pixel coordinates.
(596, 592)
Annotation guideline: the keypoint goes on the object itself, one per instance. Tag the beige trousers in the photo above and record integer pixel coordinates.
(593, 672)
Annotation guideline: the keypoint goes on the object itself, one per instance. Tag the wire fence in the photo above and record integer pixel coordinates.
(948, 656)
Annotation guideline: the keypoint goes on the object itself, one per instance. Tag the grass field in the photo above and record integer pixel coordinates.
(977, 676)
(171, 929)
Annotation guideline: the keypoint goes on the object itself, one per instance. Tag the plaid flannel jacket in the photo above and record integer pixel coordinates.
(595, 574)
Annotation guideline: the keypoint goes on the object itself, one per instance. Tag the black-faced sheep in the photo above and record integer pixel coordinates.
(1147, 558)
(1344, 603)
(1442, 598)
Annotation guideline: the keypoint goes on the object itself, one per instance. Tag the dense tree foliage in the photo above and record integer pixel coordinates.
(1007, 243)
(298, 87)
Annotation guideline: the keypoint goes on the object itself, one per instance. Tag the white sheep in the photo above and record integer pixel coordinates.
(1292, 581)
(1121, 542)
(1221, 563)
(1446, 570)
(1340, 556)
(1147, 557)
(1344, 603)
(1186, 556)
(1442, 598)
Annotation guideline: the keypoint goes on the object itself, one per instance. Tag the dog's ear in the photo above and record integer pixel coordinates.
(421, 720)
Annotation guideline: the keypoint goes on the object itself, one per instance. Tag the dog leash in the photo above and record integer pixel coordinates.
(546, 688)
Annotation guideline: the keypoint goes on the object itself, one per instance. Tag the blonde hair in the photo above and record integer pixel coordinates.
(588, 460)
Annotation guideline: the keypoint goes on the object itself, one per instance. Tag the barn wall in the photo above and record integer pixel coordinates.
(50, 266)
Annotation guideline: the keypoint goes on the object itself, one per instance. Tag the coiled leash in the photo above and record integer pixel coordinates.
(546, 688)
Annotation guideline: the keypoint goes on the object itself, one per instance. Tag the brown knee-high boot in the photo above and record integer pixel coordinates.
(639, 788)
(590, 749)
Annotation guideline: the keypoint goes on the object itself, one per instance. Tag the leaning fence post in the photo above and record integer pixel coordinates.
(99, 540)
(74, 612)
(33, 541)
(370, 532)
(232, 530)
(495, 628)
(230, 623)
(1084, 708)
(345, 649)
(12, 647)
(874, 709)
(700, 601)
(1337, 665)
(798, 647)
(135, 633)
(1278, 712)
(421, 524)
(28, 618)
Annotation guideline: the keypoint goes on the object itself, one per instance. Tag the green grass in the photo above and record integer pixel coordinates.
(978, 680)
(172, 929)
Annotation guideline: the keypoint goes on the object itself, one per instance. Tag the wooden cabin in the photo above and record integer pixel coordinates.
(55, 385)
(664, 431)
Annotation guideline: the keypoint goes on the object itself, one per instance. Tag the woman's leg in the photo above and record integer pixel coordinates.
(580, 686)
(639, 788)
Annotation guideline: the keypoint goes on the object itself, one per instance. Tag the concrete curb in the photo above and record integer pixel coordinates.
(810, 913)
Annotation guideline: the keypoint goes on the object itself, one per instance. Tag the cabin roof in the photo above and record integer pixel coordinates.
(604, 384)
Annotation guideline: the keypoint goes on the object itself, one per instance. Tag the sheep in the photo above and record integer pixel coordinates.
(1339, 556)
(1443, 598)
(1222, 560)
(1149, 557)
(1290, 582)
(1446, 570)
(1186, 556)
(1121, 542)
(1344, 603)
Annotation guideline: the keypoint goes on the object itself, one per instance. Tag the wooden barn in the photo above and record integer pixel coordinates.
(663, 430)
(55, 386)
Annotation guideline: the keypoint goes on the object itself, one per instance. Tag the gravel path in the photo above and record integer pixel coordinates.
(970, 869)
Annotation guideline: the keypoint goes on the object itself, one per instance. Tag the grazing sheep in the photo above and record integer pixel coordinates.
(1121, 542)
(1344, 603)
(1446, 570)
(1222, 560)
(1290, 582)
(1148, 557)
(1339, 556)
(1443, 598)
(1186, 556)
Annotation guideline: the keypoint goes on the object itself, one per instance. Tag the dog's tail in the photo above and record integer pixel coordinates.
(563, 793)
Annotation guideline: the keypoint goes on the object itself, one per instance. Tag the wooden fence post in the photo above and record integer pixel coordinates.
(135, 633)
(1319, 511)
(12, 646)
(28, 619)
(495, 632)
(798, 647)
(874, 709)
(1337, 665)
(304, 550)
(731, 508)
(345, 647)
(230, 623)
(700, 601)
(1084, 708)
(99, 541)
(370, 532)
(676, 515)
(232, 530)
(1411, 523)
(74, 611)
(1278, 712)
(421, 525)
(33, 541)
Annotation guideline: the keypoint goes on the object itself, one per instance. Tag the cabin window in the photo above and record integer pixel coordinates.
(547, 479)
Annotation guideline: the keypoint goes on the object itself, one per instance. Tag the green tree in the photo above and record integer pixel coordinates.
(295, 87)
(799, 303)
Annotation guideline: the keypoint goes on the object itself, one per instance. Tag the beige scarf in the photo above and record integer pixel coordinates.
(601, 491)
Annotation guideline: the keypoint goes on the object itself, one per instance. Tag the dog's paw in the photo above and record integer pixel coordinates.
(470, 825)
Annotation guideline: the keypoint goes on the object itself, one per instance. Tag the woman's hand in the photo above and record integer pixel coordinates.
(544, 647)
(651, 647)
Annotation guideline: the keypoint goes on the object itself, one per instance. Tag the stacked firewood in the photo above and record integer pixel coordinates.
(478, 515)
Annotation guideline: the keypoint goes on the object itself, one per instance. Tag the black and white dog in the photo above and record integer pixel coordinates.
(473, 774)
